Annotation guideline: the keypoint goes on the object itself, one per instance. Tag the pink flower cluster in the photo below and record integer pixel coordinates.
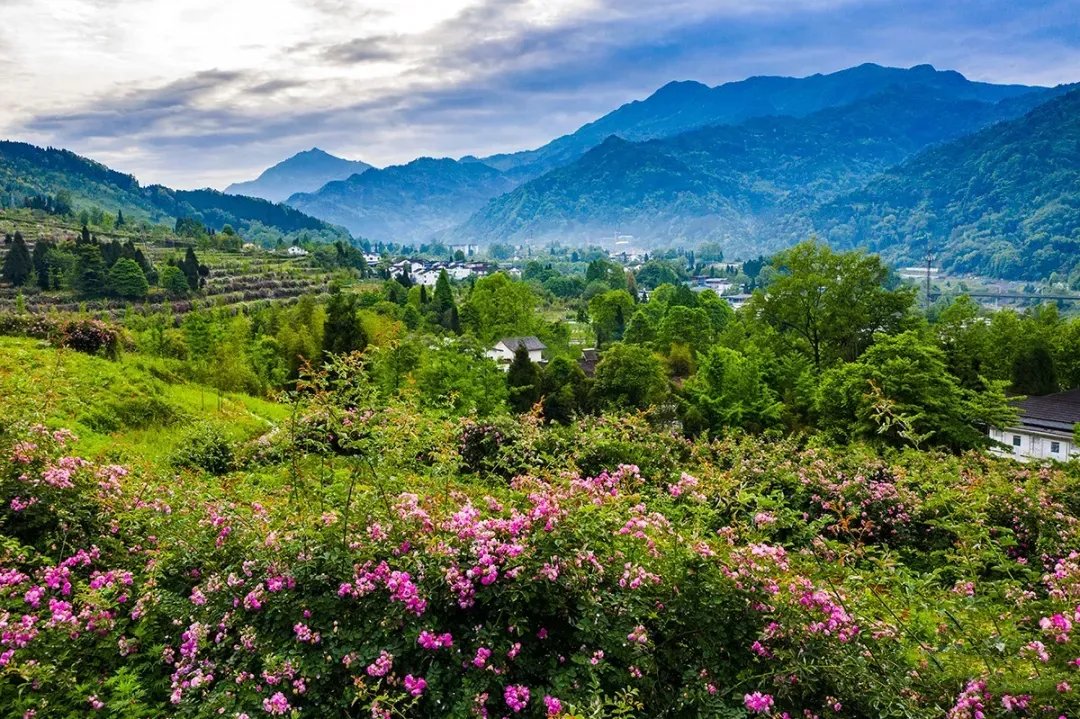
(517, 697)
(758, 703)
(415, 685)
(381, 666)
(431, 641)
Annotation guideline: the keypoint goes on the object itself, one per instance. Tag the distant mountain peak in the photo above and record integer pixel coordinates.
(306, 171)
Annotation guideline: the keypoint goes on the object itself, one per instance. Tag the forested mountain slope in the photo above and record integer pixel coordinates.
(1003, 202)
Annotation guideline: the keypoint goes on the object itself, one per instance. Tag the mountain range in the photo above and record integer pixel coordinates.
(754, 165)
(736, 184)
(406, 203)
(687, 105)
(303, 172)
(885, 158)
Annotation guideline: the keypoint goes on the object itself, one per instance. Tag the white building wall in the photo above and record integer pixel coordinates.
(1023, 444)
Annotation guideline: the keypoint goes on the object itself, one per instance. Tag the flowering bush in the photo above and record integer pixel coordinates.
(343, 578)
(79, 333)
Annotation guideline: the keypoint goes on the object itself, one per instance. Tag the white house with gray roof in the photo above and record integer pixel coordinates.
(503, 350)
(1044, 430)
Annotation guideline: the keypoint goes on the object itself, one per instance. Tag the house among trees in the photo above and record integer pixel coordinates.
(504, 349)
(589, 358)
(1044, 429)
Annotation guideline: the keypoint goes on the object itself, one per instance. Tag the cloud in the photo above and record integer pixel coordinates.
(363, 49)
(386, 83)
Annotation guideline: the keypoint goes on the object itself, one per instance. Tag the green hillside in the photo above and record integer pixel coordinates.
(27, 171)
(1004, 202)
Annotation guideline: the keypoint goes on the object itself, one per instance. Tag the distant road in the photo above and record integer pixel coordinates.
(1009, 295)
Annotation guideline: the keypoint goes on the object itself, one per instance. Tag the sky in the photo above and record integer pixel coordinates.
(201, 93)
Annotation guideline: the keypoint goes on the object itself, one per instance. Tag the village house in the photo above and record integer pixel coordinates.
(1044, 429)
(504, 349)
(588, 360)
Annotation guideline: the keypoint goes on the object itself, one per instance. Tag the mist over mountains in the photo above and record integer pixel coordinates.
(871, 156)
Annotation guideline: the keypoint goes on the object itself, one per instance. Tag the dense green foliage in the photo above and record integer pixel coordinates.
(363, 557)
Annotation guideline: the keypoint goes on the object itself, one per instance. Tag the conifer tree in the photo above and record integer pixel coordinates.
(90, 272)
(343, 331)
(41, 263)
(126, 279)
(192, 269)
(18, 265)
(523, 380)
(442, 307)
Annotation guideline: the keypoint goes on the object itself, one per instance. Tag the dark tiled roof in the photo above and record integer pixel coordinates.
(530, 343)
(1057, 412)
(587, 363)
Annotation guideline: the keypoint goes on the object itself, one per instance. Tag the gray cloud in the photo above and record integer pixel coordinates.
(488, 80)
(364, 49)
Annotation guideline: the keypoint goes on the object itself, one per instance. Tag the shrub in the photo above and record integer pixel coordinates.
(206, 448)
(144, 409)
(89, 336)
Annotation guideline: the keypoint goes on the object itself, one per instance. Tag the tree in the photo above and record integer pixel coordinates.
(119, 219)
(174, 282)
(629, 376)
(62, 265)
(460, 382)
(1033, 370)
(609, 313)
(964, 337)
(829, 305)
(500, 307)
(343, 332)
(564, 390)
(442, 307)
(606, 271)
(41, 262)
(686, 325)
(655, 273)
(901, 391)
(90, 272)
(193, 270)
(18, 265)
(522, 381)
(729, 390)
(126, 279)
